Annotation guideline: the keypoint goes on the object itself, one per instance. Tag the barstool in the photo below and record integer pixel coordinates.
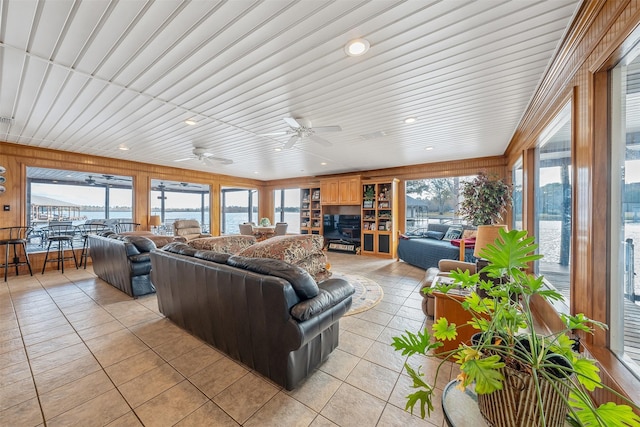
(12, 236)
(85, 231)
(59, 234)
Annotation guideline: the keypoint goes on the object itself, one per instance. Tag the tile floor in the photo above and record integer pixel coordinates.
(76, 351)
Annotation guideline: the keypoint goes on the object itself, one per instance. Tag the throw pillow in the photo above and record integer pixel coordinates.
(293, 249)
(453, 233)
(469, 233)
(435, 235)
(223, 244)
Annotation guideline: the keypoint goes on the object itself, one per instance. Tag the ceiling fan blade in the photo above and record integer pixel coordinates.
(292, 122)
(221, 160)
(273, 134)
(324, 129)
(291, 141)
(320, 140)
(184, 160)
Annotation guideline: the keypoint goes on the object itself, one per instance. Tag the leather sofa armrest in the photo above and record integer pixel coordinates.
(145, 257)
(332, 291)
(446, 265)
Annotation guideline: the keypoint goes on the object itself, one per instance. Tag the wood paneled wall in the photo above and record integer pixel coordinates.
(602, 33)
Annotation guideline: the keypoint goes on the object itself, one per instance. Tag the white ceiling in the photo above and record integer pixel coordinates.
(93, 76)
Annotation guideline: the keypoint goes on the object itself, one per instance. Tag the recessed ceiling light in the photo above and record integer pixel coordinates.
(123, 148)
(357, 47)
(429, 148)
(190, 122)
(323, 163)
(256, 172)
(410, 120)
(277, 149)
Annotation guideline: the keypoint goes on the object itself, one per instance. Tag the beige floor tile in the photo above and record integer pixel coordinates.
(100, 330)
(351, 407)
(9, 334)
(134, 366)
(196, 359)
(11, 345)
(403, 324)
(208, 414)
(68, 372)
(316, 390)
(411, 313)
(365, 328)
(130, 419)
(57, 358)
(43, 326)
(282, 410)
(399, 399)
(158, 332)
(99, 411)
(169, 350)
(321, 421)
(171, 406)
(354, 343)
(15, 372)
(75, 393)
(12, 357)
(385, 355)
(339, 364)
(150, 384)
(26, 413)
(376, 316)
(388, 307)
(138, 317)
(112, 348)
(245, 396)
(17, 392)
(374, 379)
(54, 344)
(89, 318)
(218, 376)
(48, 334)
(396, 417)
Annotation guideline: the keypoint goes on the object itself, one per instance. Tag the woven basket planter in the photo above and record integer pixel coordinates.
(517, 404)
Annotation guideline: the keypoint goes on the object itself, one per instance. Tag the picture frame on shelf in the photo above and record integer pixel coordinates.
(367, 204)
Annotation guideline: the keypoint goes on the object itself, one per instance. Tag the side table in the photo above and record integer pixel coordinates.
(449, 305)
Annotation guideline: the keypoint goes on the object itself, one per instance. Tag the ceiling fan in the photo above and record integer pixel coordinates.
(300, 128)
(114, 178)
(202, 155)
(90, 180)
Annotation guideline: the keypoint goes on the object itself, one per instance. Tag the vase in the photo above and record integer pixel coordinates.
(518, 403)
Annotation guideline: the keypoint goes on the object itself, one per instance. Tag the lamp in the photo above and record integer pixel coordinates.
(486, 235)
(155, 221)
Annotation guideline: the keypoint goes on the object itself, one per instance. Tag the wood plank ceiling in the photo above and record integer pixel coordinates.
(97, 76)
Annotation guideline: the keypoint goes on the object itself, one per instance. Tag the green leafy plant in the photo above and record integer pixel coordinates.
(369, 192)
(484, 199)
(507, 339)
(264, 222)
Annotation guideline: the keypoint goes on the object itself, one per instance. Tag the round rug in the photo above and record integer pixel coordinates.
(368, 293)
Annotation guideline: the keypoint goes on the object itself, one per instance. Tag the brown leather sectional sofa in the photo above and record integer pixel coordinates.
(266, 313)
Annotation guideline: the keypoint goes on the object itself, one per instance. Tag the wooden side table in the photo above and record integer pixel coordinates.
(449, 305)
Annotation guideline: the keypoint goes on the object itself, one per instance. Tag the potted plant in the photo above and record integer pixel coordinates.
(264, 222)
(484, 199)
(508, 344)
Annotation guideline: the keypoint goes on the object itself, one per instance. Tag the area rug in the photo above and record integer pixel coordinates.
(368, 293)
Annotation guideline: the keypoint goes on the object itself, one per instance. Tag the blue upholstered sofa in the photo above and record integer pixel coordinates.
(424, 248)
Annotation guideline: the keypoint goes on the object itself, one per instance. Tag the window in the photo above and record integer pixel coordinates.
(432, 200)
(238, 206)
(553, 202)
(287, 208)
(517, 177)
(625, 211)
(180, 200)
(61, 195)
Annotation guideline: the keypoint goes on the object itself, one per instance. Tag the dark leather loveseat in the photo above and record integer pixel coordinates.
(123, 261)
(266, 313)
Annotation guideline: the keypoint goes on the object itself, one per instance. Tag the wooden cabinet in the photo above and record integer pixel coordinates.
(379, 218)
(310, 211)
(341, 191)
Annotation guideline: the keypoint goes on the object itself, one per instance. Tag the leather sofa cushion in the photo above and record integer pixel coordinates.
(180, 248)
(223, 244)
(302, 283)
(140, 268)
(331, 292)
(212, 256)
(294, 249)
(143, 244)
(140, 257)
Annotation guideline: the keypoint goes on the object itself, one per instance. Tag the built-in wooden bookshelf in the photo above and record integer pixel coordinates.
(310, 211)
(380, 218)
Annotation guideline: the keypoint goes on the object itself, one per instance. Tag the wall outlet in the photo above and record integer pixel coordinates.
(6, 207)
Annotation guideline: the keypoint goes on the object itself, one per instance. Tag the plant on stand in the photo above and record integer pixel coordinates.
(484, 199)
(552, 379)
